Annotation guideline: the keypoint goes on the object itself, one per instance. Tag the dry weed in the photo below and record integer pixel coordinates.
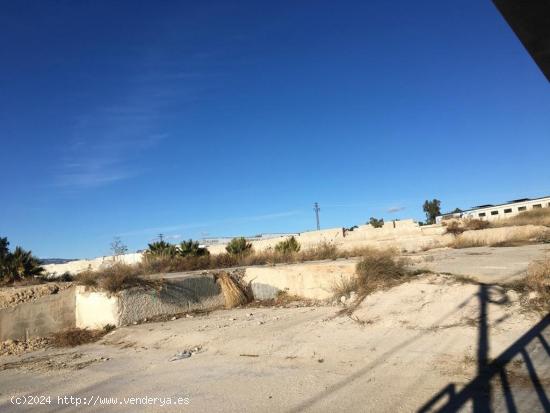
(77, 336)
(234, 293)
(539, 216)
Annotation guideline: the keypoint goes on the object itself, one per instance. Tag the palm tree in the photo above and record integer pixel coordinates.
(192, 249)
(20, 264)
(161, 249)
(239, 246)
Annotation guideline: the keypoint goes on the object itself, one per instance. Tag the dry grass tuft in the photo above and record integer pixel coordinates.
(534, 289)
(539, 216)
(344, 287)
(476, 224)
(377, 270)
(454, 228)
(87, 278)
(538, 280)
(380, 270)
(77, 336)
(458, 227)
(115, 278)
(234, 293)
(323, 251)
(513, 239)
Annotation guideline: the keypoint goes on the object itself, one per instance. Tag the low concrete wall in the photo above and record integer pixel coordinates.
(95, 309)
(46, 315)
(186, 293)
(179, 293)
(405, 234)
(313, 280)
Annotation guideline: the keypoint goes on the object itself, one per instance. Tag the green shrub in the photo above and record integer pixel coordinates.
(239, 246)
(288, 246)
(376, 223)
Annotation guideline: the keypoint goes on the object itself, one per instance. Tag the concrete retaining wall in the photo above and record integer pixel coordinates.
(46, 315)
(314, 280)
(178, 294)
(95, 309)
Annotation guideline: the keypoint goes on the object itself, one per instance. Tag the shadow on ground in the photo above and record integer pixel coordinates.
(516, 381)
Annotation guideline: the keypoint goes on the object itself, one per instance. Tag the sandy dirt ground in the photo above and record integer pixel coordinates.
(485, 264)
(394, 354)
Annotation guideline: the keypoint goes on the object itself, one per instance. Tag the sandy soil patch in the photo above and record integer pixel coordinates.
(399, 349)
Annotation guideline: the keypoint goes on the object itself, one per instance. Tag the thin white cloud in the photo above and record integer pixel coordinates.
(393, 210)
(108, 139)
(237, 220)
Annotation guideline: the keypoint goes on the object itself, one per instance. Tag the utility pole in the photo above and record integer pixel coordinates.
(161, 237)
(317, 209)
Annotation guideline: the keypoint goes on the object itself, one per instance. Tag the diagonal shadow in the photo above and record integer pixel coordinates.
(479, 390)
(377, 361)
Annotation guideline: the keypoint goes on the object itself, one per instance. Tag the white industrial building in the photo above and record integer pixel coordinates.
(491, 212)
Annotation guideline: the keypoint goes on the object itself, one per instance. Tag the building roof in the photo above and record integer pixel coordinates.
(514, 201)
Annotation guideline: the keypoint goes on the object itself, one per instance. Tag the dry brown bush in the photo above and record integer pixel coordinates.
(234, 293)
(508, 240)
(454, 228)
(380, 270)
(322, 251)
(87, 278)
(377, 270)
(345, 286)
(77, 336)
(476, 224)
(538, 280)
(115, 278)
(121, 277)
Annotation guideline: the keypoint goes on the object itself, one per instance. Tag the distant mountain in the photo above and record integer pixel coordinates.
(46, 261)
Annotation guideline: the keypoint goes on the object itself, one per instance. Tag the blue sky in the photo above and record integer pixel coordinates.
(125, 118)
